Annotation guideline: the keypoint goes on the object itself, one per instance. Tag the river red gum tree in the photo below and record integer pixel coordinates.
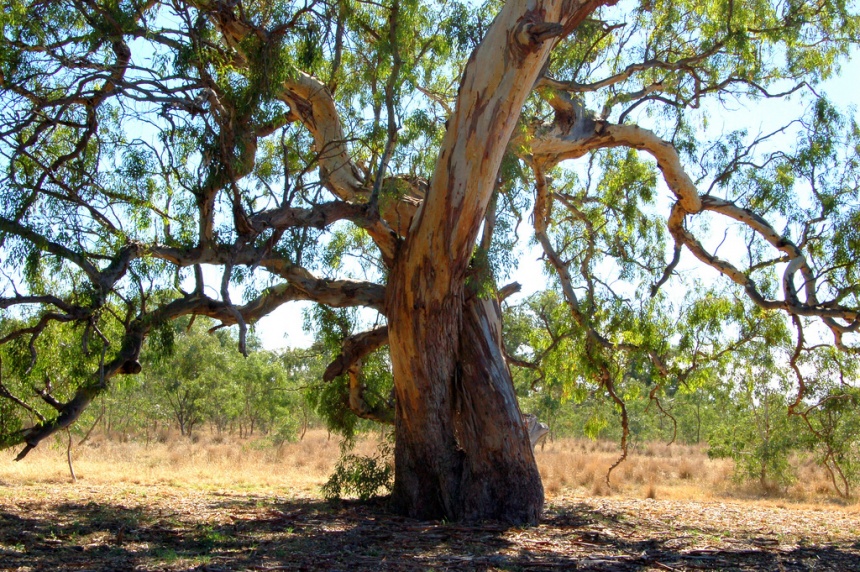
(235, 93)
(461, 445)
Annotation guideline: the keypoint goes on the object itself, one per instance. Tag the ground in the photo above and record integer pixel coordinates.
(158, 527)
(217, 503)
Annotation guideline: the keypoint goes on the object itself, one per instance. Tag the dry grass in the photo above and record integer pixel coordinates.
(653, 471)
(568, 467)
(577, 467)
(208, 462)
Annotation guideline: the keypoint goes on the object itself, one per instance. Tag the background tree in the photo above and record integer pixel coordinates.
(191, 379)
(166, 158)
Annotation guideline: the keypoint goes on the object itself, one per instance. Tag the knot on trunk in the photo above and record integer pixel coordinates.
(531, 32)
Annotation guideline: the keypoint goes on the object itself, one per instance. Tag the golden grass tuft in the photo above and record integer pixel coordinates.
(651, 491)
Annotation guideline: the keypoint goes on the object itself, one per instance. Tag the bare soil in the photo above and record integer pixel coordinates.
(55, 526)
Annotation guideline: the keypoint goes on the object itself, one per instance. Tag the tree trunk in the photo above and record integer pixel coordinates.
(462, 451)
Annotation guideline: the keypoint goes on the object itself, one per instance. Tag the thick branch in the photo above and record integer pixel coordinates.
(307, 286)
(575, 133)
(319, 216)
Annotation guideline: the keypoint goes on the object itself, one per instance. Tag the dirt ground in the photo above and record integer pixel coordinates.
(55, 526)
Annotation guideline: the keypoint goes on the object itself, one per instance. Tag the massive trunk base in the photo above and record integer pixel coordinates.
(462, 451)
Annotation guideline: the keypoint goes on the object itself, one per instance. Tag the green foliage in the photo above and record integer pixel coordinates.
(480, 280)
(362, 476)
(10, 423)
(834, 438)
(727, 382)
(190, 378)
(330, 399)
(760, 439)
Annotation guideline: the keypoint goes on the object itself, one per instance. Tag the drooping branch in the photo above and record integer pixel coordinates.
(124, 362)
(69, 411)
(232, 310)
(596, 344)
(607, 382)
(541, 217)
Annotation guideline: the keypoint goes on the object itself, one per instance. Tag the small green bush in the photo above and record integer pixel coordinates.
(361, 476)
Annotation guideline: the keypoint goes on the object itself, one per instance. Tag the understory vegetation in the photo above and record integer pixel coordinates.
(198, 401)
(224, 503)
(569, 467)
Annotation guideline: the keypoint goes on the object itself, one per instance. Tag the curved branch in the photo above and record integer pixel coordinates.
(310, 100)
(354, 349)
(576, 133)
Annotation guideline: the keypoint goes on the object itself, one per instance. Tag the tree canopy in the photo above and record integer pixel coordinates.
(222, 158)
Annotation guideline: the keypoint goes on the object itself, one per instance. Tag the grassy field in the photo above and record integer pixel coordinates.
(211, 504)
(567, 466)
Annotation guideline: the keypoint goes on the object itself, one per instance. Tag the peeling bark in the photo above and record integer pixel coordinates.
(462, 451)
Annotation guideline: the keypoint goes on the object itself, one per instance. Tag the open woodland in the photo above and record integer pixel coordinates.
(214, 461)
(637, 220)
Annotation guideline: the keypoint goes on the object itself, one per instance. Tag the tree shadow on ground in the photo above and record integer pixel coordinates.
(222, 532)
